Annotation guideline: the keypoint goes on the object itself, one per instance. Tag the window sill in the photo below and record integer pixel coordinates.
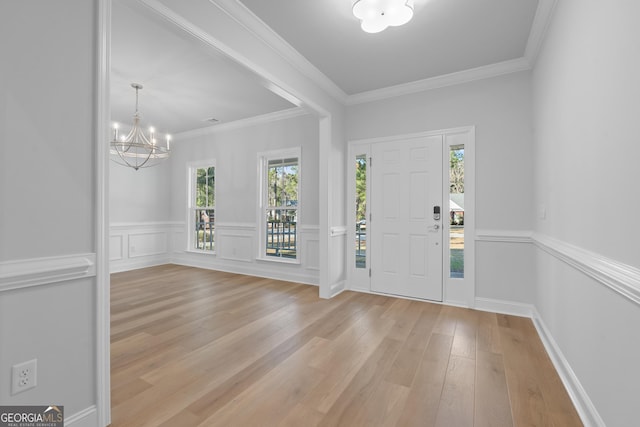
(279, 260)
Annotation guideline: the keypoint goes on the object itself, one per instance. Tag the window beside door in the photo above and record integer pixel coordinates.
(456, 211)
(361, 210)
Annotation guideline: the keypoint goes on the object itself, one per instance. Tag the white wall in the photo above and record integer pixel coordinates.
(241, 36)
(142, 195)
(236, 154)
(586, 108)
(47, 191)
(140, 230)
(500, 108)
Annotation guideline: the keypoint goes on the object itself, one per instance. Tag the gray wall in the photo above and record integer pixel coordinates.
(47, 191)
(500, 108)
(237, 228)
(142, 195)
(586, 153)
(236, 152)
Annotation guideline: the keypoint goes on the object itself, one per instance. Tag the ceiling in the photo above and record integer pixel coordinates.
(186, 82)
(444, 36)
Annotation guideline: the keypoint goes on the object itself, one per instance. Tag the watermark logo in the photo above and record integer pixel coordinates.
(32, 416)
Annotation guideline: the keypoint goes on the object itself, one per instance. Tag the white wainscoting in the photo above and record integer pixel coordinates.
(623, 279)
(337, 256)
(141, 244)
(505, 271)
(85, 418)
(63, 276)
(138, 245)
(310, 238)
(237, 252)
(583, 404)
(236, 241)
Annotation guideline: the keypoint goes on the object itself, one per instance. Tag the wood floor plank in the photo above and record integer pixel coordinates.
(302, 415)
(348, 408)
(421, 407)
(488, 333)
(275, 394)
(345, 362)
(457, 401)
(198, 347)
(492, 407)
(406, 365)
(446, 324)
(464, 339)
(557, 401)
(527, 402)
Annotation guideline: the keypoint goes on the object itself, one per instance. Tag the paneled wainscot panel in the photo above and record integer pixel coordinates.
(138, 245)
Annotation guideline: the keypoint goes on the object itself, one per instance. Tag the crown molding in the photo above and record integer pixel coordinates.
(242, 123)
(247, 19)
(479, 73)
(541, 22)
(241, 14)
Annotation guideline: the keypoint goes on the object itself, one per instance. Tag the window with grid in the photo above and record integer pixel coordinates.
(281, 187)
(203, 206)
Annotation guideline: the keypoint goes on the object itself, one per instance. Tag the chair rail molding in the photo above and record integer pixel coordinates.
(504, 236)
(338, 230)
(622, 278)
(44, 271)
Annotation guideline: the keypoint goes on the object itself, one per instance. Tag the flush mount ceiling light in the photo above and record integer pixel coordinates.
(377, 15)
(135, 149)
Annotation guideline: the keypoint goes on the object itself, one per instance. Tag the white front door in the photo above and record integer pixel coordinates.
(406, 239)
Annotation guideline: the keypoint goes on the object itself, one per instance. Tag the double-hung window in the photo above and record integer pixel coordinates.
(202, 208)
(279, 210)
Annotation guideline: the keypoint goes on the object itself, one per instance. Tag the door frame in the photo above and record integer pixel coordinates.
(455, 291)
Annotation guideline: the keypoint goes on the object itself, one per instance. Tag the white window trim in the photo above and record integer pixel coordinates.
(191, 202)
(263, 160)
(359, 278)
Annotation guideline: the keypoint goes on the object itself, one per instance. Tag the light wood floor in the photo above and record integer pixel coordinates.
(195, 347)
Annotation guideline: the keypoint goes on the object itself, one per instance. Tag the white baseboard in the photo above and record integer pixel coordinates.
(587, 411)
(504, 307)
(250, 269)
(337, 288)
(136, 263)
(86, 418)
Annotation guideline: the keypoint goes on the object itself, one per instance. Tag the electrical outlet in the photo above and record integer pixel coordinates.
(24, 376)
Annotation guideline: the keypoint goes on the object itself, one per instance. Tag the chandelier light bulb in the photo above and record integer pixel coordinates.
(377, 15)
(135, 150)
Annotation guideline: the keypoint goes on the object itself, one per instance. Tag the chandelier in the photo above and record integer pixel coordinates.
(377, 15)
(135, 149)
